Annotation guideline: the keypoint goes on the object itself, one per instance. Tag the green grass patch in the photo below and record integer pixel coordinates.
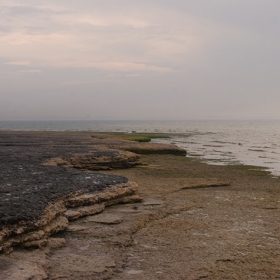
(255, 170)
(141, 137)
(246, 167)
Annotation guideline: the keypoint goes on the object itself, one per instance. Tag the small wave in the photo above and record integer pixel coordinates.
(273, 152)
(221, 142)
(214, 146)
(180, 141)
(234, 143)
(261, 147)
(223, 152)
(256, 150)
(195, 155)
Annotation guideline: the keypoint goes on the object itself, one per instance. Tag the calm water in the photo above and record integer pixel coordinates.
(216, 142)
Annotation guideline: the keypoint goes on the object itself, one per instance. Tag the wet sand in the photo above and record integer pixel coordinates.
(196, 221)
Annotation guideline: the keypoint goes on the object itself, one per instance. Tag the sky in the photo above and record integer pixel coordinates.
(139, 60)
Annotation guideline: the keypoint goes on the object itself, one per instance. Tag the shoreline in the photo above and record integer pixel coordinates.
(254, 143)
(229, 156)
(196, 220)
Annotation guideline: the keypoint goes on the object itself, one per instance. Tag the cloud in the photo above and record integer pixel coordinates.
(19, 63)
(133, 75)
(187, 54)
(30, 71)
(123, 66)
(97, 20)
(123, 40)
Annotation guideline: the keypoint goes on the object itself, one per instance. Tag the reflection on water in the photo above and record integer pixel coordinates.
(217, 142)
(248, 142)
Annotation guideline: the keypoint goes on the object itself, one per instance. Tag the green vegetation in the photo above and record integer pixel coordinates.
(255, 170)
(246, 167)
(134, 136)
(141, 137)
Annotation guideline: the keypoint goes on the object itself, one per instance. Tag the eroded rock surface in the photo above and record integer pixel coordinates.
(16, 269)
(98, 160)
(105, 219)
(39, 200)
(192, 225)
(56, 216)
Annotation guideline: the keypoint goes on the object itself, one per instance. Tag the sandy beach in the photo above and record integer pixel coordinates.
(189, 220)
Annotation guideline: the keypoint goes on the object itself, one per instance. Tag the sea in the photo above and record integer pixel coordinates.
(220, 142)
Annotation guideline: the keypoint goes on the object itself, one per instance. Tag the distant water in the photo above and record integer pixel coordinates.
(216, 142)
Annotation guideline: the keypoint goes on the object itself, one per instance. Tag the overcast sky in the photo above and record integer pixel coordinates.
(148, 59)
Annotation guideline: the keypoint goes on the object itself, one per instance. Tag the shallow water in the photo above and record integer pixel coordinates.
(249, 142)
(216, 142)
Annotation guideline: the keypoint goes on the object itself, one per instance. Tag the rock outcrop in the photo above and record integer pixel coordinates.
(40, 194)
(146, 148)
(98, 160)
(56, 216)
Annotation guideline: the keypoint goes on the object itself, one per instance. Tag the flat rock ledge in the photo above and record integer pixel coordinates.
(98, 160)
(149, 148)
(58, 214)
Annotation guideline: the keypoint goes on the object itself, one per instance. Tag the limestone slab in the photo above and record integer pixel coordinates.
(89, 264)
(105, 218)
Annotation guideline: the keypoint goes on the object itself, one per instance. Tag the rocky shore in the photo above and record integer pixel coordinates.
(170, 217)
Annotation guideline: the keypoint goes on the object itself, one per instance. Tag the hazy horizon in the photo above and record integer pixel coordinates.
(138, 120)
(144, 60)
